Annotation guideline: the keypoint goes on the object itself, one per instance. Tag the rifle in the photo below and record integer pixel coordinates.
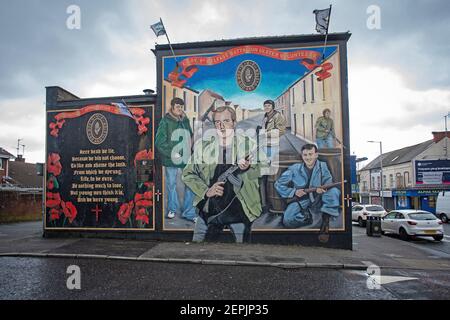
(229, 174)
(311, 190)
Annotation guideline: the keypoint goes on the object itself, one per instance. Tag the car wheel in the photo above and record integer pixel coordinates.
(438, 238)
(444, 218)
(361, 222)
(403, 234)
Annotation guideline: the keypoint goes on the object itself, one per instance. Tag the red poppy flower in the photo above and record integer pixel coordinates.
(137, 111)
(149, 185)
(54, 214)
(125, 212)
(70, 211)
(53, 164)
(144, 200)
(53, 200)
(50, 184)
(143, 155)
(141, 215)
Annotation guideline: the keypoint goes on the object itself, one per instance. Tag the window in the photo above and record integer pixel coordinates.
(391, 215)
(304, 91)
(407, 179)
(384, 182)
(399, 216)
(193, 123)
(174, 93)
(312, 126)
(312, 88)
(378, 183)
(399, 180)
(391, 181)
(295, 123)
(195, 103)
(185, 100)
(304, 124)
(364, 188)
(1, 164)
(293, 96)
(372, 185)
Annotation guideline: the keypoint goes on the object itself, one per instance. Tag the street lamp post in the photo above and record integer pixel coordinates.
(381, 171)
(446, 144)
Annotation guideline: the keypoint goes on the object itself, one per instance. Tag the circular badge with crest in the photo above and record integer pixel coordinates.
(248, 75)
(97, 128)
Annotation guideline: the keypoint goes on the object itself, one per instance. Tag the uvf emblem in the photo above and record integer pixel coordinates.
(97, 128)
(248, 76)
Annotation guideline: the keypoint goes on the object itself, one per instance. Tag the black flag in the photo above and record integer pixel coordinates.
(158, 29)
(322, 20)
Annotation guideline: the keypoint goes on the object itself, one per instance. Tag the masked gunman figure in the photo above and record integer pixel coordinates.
(293, 185)
(224, 177)
(275, 125)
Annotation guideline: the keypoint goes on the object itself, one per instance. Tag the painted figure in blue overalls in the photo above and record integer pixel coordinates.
(293, 185)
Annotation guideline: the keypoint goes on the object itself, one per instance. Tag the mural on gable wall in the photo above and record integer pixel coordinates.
(100, 168)
(251, 142)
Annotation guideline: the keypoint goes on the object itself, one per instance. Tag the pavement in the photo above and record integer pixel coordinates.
(25, 240)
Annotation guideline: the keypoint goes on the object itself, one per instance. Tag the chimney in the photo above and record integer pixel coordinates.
(438, 136)
(20, 158)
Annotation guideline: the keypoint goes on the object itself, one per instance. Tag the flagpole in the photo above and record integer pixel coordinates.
(170, 45)
(326, 36)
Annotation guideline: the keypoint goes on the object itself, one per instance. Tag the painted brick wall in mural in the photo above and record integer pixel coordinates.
(100, 168)
(252, 141)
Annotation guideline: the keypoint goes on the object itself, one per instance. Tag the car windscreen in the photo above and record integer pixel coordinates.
(422, 216)
(374, 208)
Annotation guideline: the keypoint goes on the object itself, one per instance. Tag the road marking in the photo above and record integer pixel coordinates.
(447, 237)
(391, 279)
(443, 240)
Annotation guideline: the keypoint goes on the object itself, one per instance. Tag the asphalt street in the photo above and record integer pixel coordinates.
(30, 278)
(46, 278)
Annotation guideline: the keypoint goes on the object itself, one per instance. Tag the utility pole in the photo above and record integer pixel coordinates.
(381, 170)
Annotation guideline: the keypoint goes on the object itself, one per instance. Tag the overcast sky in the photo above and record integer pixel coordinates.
(399, 83)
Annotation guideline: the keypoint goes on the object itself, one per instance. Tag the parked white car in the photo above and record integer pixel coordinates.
(412, 223)
(443, 206)
(361, 212)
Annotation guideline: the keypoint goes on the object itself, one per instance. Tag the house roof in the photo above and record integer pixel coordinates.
(213, 94)
(399, 156)
(5, 154)
(25, 174)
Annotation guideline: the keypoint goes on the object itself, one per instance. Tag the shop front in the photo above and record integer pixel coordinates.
(416, 199)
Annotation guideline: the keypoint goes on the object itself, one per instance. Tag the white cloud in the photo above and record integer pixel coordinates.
(384, 108)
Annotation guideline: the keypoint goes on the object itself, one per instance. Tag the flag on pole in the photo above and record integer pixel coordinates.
(123, 109)
(158, 29)
(322, 20)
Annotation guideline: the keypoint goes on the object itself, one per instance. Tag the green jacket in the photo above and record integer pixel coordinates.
(168, 143)
(200, 169)
(277, 121)
(324, 127)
